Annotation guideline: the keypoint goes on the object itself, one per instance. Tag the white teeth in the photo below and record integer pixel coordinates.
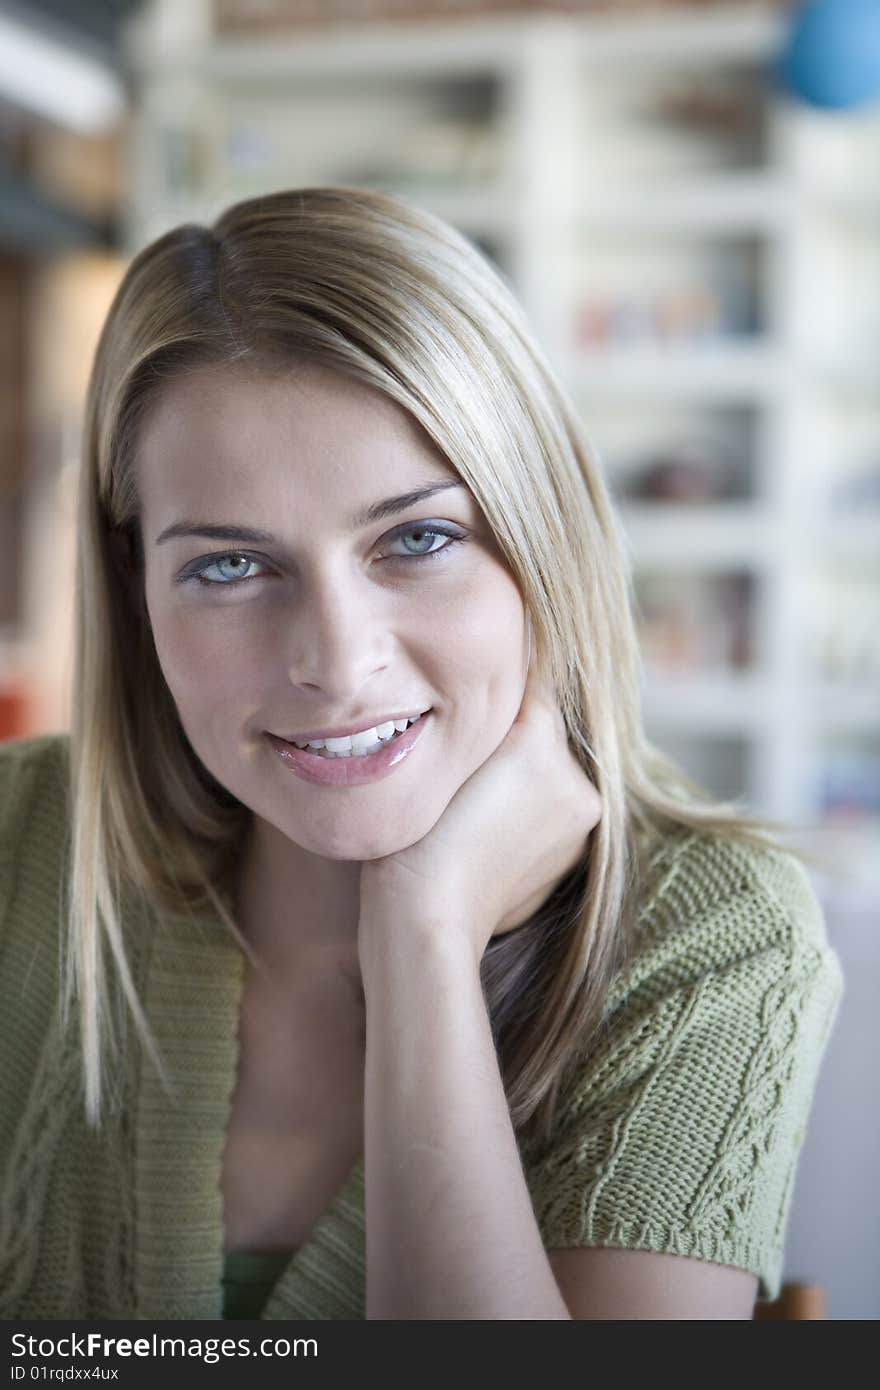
(368, 741)
(341, 745)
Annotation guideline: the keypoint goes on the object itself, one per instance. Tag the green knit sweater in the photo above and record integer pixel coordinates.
(679, 1132)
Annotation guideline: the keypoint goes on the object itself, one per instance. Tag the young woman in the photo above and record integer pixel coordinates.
(486, 1011)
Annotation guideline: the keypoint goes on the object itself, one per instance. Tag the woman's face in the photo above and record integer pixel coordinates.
(331, 623)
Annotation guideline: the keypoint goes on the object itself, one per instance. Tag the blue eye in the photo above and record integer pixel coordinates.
(216, 561)
(432, 531)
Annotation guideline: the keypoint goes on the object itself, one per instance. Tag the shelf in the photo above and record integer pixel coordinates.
(848, 207)
(383, 50)
(733, 704)
(735, 202)
(714, 371)
(858, 376)
(855, 537)
(834, 707)
(713, 537)
(727, 34)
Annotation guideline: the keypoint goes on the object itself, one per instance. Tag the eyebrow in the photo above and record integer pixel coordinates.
(377, 511)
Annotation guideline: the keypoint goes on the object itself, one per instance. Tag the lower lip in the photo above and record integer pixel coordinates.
(349, 772)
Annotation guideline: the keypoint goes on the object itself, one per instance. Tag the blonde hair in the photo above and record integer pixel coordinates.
(370, 286)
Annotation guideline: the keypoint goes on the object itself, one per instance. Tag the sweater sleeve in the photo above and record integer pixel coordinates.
(681, 1131)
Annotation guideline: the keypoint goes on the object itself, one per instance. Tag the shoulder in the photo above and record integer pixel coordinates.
(709, 902)
(728, 937)
(679, 1126)
(33, 816)
(26, 764)
(730, 950)
(33, 776)
(33, 844)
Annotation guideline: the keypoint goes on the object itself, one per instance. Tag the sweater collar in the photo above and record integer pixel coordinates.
(192, 1001)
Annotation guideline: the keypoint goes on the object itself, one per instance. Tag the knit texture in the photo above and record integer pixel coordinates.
(679, 1131)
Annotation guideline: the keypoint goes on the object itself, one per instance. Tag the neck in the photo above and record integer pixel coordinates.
(297, 910)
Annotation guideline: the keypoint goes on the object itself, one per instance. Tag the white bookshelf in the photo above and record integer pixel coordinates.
(522, 132)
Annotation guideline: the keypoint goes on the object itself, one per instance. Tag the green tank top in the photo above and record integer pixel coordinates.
(248, 1280)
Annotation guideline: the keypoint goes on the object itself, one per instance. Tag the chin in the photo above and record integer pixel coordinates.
(366, 843)
(364, 850)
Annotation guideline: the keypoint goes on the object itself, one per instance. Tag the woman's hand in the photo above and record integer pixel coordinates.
(507, 838)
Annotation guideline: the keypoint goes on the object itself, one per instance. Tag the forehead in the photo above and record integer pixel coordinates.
(216, 425)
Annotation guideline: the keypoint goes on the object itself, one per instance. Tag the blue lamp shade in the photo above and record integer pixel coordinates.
(831, 57)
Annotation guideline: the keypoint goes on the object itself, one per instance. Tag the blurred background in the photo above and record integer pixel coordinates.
(685, 198)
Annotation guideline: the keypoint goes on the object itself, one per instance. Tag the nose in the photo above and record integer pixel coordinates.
(337, 639)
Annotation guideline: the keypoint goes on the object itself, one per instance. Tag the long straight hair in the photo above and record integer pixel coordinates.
(372, 287)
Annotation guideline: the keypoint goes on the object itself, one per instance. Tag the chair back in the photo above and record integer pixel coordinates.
(796, 1301)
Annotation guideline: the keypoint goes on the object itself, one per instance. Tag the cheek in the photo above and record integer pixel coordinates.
(484, 609)
(478, 659)
(203, 662)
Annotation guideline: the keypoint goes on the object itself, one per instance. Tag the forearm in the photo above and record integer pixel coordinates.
(450, 1230)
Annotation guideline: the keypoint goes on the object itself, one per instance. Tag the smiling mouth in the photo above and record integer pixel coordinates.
(367, 751)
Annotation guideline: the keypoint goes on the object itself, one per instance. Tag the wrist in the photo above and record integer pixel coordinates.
(397, 942)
